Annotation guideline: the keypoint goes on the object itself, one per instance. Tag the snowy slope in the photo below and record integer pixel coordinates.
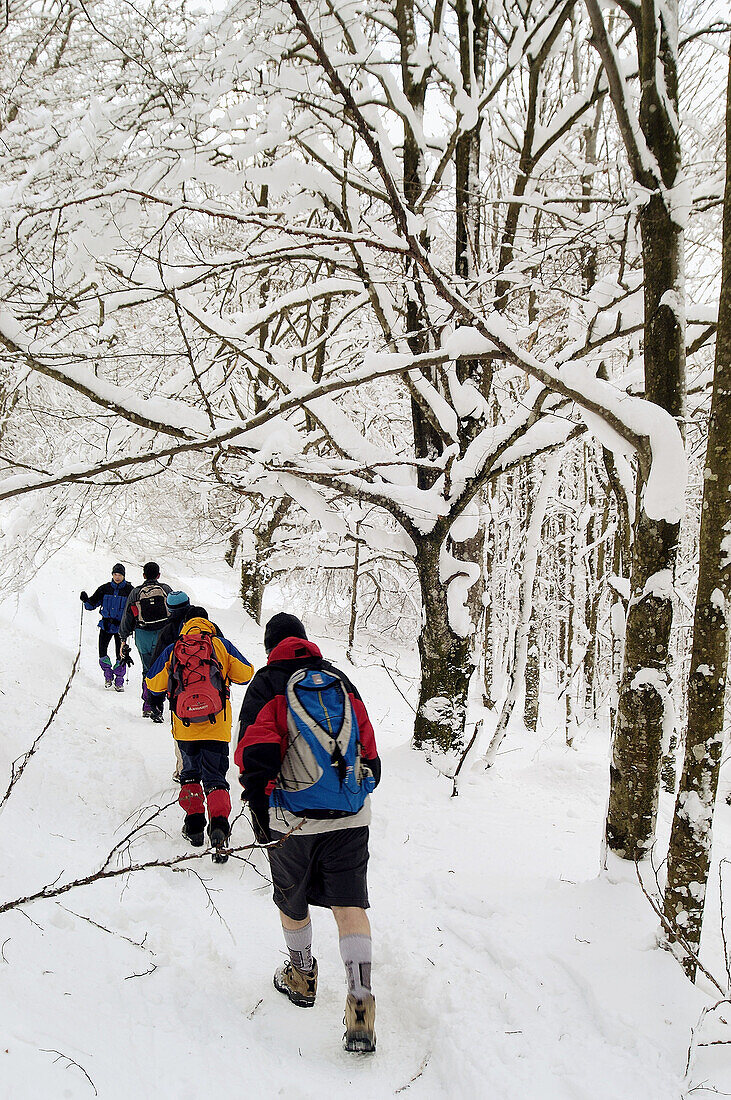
(505, 966)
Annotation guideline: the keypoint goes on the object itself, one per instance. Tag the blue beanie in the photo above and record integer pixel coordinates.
(177, 599)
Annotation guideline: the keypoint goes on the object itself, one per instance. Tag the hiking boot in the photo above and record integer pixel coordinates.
(119, 671)
(360, 1023)
(219, 831)
(194, 829)
(117, 687)
(157, 716)
(146, 709)
(109, 684)
(299, 985)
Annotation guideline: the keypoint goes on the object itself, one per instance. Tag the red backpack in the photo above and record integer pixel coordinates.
(197, 690)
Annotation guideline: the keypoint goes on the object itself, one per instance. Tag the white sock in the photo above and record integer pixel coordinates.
(299, 945)
(356, 952)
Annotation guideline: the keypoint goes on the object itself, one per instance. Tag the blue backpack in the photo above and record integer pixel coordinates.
(322, 773)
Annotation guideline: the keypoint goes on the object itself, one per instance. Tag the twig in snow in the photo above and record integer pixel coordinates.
(694, 1031)
(250, 1015)
(727, 963)
(398, 689)
(463, 757)
(70, 1062)
(2, 949)
(417, 1075)
(144, 973)
(109, 931)
(52, 891)
(123, 845)
(211, 903)
(675, 934)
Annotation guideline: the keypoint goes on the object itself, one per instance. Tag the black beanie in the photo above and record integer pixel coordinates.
(119, 568)
(282, 626)
(151, 571)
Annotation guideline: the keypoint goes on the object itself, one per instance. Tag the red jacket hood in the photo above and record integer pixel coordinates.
(292, 649)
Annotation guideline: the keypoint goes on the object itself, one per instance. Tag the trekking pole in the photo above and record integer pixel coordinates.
(18, 766)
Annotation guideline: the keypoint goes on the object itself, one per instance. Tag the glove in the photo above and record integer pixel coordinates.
(84, 595)
(261, 832)
(259, 811)
(126, 655)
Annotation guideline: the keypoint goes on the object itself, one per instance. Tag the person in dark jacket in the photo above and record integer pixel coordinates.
(111, 597)
(324, 861)
(145, 616)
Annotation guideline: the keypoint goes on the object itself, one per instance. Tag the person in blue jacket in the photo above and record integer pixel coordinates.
(112, 599)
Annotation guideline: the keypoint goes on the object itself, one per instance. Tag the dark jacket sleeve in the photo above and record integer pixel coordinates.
(127, 624)
(95, 600)
(260, 742)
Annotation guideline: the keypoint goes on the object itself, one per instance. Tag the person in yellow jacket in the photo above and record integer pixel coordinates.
(195, 672)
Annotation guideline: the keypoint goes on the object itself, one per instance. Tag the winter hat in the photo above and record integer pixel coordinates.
(176, 601)
(119, 568)
(282, 626)
(151, 571)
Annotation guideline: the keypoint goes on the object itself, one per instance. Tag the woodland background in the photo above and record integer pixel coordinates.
(419, 312)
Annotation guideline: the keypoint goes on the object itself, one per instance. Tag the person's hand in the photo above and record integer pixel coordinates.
(126, 655)
(262, 834)
(84, 595)
(259, 811)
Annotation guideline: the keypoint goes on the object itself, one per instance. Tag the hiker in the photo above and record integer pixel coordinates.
(195, 672)
(178, 607)
(318, 785)
(111, 597)
(146, 614)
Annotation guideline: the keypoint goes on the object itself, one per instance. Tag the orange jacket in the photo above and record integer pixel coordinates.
(236, 670)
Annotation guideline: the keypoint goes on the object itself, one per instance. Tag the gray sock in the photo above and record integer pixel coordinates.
(356, 952)
(299, 945)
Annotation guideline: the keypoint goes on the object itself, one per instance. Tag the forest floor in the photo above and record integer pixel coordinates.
(506, 965)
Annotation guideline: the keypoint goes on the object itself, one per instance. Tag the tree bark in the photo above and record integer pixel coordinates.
(445, 658)
(644, 689)
(255, 572)
(689, 853)
(532, 679)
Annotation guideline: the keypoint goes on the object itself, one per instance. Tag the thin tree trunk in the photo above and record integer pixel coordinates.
(689, 853)
(354, 599)
(446, 667)
(530, 564)
(532, 678)
(644, 689)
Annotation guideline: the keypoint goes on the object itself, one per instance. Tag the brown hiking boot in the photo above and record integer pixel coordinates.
(360, 1023)
(299, 985)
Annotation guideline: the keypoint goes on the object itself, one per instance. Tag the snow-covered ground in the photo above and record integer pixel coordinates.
(505, 965)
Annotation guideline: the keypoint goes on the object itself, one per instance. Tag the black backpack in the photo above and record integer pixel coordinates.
(152, 610)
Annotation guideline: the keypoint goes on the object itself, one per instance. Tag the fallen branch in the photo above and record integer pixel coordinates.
(54, 891)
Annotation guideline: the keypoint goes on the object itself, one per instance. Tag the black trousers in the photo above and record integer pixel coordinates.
(206, 762)
(104, 640)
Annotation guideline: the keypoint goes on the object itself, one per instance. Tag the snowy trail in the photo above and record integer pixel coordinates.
(503, 966)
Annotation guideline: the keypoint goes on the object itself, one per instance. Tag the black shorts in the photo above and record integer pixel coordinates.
(320, 869)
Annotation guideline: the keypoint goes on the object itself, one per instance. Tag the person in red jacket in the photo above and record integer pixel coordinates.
(324, 861)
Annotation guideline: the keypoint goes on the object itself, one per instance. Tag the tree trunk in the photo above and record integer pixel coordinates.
(644, 689)
(255, 572)
(690, 839)
(532, 679)
(446, 667)
(570, 613)
(536, 515)
(354, 597)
